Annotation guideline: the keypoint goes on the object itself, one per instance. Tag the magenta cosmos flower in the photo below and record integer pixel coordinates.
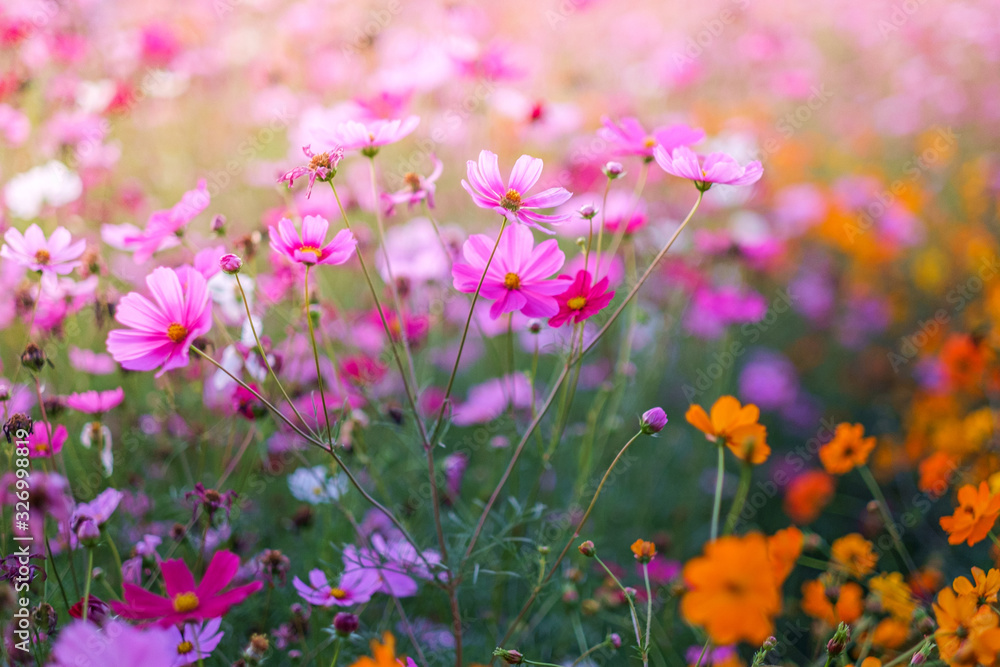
(163, 227)
(628, 137)
(371, 135)
(161, 331)
(322, 167)
(185, 600)
(582, 299)
(96, 402)
(114, 645)
(487, 190)
(57, 256)
(518, 276)
(354, 587)
(311, 247)
(707, 170)
(41, 446)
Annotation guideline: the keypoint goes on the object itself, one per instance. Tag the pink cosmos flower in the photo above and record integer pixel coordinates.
(160, 333)
(707, 170)
(96, 402)
(185, 600)
(114, 645)
(310, 247)
(54, 257)
(582, 300)
(418, 188)
(628, 137)
(518, 276)
(100, 509)
(354, 587)
(322, 167)
(487, 190)
(195, 642)
(371, 135)
(94, 363)
(41, 445)
(161, 228)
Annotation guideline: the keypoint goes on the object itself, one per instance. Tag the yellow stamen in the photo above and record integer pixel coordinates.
(649, 142)
(308, 248)
(43, 256)
(177, 332)
(185, 602)
(184, 648)
(511, 201)
(577, 303)
(338, 593)
(512, 281)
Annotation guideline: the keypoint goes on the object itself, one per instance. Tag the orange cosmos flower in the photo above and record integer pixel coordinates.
(383, 655)
(895, 594)
(964, 359)
(848, 449)
(736, 425)
(854, 554)
(975, 515)
(731, 590)
(965, 634)
(783, 549)
(644, 551)
(986, 585)
(816, 602)
(807, 495)
(935, 473)
(891, 633)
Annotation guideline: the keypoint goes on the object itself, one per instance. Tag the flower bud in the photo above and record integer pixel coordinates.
(614, 640)
(97, 610)
(88, 533)
(588, 211)
(345, 623)
(653, 421)
(219, 224)
(231, 264)
(534, 325)
(838, 642)
(514, 657)
(587, 549)
(613, 170)
(33, 357)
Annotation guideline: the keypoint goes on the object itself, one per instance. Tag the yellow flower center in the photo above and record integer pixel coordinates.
(649, 142)
(42, 256)
(184, 648)
(511, 201)
(338, 593)
(512, 281)
(412, 180)
(177, 332)
(42, 447)
(577, 303)
(308, 248)
(185, 602)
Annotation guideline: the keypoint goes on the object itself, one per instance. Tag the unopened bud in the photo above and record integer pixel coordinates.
(613, 170)
(587, 549)
(231, 264)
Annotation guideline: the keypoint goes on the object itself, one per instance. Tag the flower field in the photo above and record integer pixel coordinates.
(563, 333)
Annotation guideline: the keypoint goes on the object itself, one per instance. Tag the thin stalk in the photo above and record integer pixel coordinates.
(717, 503)
(315, 351)
(649, 612)
(86, 585)
(897, 540)
(746, 474)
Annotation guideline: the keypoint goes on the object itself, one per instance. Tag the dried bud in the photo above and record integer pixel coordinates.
(345, 623)
(587, 549)
(653, 421)
(256, 649)
(230, 264)
(33, 358)
(45, 617)
(19, 425)
(97, 610)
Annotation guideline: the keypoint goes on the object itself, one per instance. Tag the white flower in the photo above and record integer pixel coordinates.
(52, 183)
(315, 486)
(91, 431)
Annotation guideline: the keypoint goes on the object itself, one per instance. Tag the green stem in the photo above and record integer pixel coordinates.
(461, 345)
(336, 652)
(86, 585)
(746, 474)
(315, 350)
(717, 503)
(628, 598)
(649, 612)
(897, 540)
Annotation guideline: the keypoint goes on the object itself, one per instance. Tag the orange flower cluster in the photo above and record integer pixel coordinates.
(383, 654)
(848, 449)
(735, 425)
(968, 627)
(853, 554)
(975, 515)
(734, 590)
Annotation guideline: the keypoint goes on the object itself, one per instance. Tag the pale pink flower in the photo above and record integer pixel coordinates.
(321, 167)
(88, 361)
(707, 170)
(310, 247)
(160, 332)
(371, 135)
(487, 190)
(628, 137)
(353, 587)
(161, 228)
(518, 277)
(54, 257)
(418, 188)
(96, 402)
